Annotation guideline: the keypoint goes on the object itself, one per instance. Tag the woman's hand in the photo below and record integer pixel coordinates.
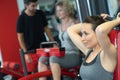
(118, 15)
(28, 58)
(104, 16)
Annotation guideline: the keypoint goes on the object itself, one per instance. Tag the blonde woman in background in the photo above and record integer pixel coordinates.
(66, 13)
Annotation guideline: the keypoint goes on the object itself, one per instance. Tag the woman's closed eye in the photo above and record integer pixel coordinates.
(83, 33)
(86, 33)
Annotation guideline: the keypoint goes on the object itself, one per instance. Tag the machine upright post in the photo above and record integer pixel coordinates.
(23, 62)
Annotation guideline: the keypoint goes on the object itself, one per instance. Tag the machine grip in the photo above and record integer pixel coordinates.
(48, 44)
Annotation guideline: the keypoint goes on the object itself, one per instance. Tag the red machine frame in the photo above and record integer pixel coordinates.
(9, 67)
(59, 52)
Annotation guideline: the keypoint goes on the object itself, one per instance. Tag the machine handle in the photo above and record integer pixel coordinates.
(109, 18)
(48, 44)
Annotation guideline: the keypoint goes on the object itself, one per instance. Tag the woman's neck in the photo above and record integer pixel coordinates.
(97, 49)
(66, 20)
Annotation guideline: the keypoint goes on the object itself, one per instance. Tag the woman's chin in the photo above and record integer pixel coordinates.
(88, 47)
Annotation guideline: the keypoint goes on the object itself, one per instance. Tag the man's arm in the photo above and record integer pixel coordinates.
(49, 34)
(21, 41)
(23, 46)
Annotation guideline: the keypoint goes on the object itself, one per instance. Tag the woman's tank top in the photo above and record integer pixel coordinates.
(66, 42)
(94, 70)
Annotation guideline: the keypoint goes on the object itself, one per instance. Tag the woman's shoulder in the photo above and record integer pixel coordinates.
(74, 21)
(59, 26)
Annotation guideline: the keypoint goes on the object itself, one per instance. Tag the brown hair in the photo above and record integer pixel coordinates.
(94, 20)
(29, 1)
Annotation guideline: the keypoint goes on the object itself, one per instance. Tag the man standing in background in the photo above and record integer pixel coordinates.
(31, 25)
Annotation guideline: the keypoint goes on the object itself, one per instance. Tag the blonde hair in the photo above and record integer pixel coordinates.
(68, 8)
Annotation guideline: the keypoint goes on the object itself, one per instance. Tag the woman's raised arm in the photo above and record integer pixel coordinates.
(74, 34)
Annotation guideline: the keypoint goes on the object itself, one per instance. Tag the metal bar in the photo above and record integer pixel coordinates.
(89, 7)
(23, 62)
(79, 10)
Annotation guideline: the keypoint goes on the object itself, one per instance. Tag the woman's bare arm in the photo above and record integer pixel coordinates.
(102, 32)
(73, 33)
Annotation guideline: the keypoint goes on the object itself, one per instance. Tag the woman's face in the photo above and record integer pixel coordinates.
(60, 12)
(88, 36)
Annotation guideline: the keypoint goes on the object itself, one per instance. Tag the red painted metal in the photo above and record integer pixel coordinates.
(11, 72)
(9, 43)
(51, 52)
(65, 71)
(8, 38)
(32, 67)
(118, 67)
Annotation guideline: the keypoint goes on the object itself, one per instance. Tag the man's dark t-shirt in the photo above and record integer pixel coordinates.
(33, 29)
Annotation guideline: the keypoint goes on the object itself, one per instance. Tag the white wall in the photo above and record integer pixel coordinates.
(1, 58)
(21, 5)
(112, 6)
